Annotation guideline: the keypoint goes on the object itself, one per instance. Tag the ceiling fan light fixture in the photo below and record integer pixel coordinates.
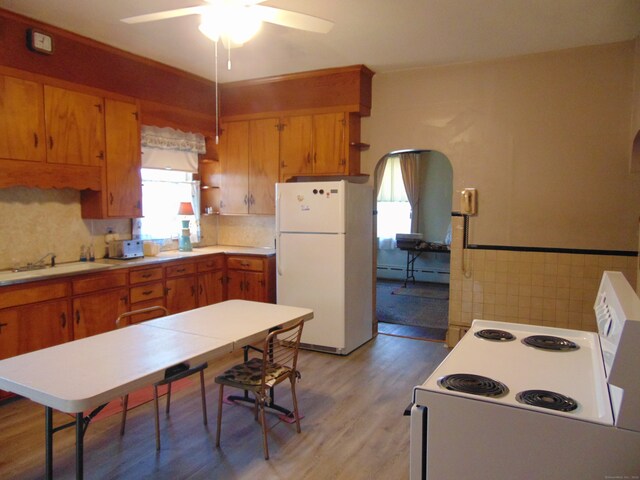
(224, 21)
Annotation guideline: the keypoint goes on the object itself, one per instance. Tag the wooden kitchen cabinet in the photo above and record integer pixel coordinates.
(32, 327)
(249, 155)
(75, 127)
(211, 280)
(180, 287)
(121, 195)
(320, 144)
(146, 289)
(98, 300)
(251, 278)
(22, 130)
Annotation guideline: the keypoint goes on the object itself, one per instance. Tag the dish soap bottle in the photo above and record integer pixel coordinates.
(83, 254)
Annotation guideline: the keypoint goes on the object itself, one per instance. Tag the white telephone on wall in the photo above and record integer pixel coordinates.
(468, 201)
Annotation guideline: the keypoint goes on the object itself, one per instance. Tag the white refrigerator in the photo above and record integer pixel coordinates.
(325, 260)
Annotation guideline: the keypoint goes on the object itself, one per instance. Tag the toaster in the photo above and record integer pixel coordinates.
(125, 249)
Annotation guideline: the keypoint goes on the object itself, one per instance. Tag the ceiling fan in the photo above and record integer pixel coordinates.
(236, 21)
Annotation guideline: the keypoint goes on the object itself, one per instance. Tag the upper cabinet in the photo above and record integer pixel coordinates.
(22, 133)
(121, 195)
(248, 154)
(75, 127)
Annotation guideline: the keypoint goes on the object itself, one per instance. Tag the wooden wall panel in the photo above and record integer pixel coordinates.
(82, 60)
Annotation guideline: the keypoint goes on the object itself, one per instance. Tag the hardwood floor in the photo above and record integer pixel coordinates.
(353, 426)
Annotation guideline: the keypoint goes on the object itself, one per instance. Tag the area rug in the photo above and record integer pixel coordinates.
(425, 290)
(139, 397)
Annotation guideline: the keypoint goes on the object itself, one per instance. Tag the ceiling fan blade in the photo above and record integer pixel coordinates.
(287, 18)
(152, 17)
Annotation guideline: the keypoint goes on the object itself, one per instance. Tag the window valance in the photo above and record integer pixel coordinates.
(170, 139)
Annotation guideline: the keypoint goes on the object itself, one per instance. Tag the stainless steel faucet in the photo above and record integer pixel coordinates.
(38, 264)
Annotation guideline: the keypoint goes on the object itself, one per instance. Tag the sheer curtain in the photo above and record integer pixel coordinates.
(394, 210)
(410, 166)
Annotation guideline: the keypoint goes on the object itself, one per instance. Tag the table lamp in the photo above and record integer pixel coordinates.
(184, 244)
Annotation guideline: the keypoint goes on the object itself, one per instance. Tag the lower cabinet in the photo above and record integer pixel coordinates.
(211, 280)
(180, 287)
(97, 312)
(251, 278)
(32, 327)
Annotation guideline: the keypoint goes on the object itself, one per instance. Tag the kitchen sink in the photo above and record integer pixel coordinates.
(62, 269)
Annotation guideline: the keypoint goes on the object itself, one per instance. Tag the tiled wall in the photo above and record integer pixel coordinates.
(550, 289)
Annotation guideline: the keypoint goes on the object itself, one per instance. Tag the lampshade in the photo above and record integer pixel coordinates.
(185, 209)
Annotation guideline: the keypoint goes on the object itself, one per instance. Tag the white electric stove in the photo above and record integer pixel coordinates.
(522, 401)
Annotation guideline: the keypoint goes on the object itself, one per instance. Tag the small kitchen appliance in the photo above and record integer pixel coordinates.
(521, 401)
(125, 249)
(324, 258)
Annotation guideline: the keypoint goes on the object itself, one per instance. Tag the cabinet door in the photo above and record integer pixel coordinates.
(295, 146)
(32, 327)
(254, 287)
(97, 313)
(235, 285)
(329, 131)
(264, 150)
(181, 294)
(210, 288)
(124, 186)
(75, 127)
(22, 134)
(234, 166)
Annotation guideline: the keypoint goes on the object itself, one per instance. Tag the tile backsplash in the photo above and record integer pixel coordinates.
(540, 288)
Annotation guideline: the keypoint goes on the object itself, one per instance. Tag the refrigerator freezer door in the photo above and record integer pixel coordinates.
(315, 207)
(311, 274)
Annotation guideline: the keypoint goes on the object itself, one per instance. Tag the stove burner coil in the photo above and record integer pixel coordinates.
(495, 335)
(548, 342)
(474, 384)
(546, 399)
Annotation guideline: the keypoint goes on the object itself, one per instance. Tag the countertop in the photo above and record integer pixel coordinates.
(8, 277)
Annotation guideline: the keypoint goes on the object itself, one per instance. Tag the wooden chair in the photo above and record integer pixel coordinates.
(171, 374)
(260, 374)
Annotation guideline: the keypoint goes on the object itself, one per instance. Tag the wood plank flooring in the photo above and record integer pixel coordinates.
(353, 426)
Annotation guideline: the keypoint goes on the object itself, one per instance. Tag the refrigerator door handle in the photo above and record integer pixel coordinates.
(278, 251)
(278, 255)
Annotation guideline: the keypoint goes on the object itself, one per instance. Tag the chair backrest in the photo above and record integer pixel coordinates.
(128, 318)
(281, 347)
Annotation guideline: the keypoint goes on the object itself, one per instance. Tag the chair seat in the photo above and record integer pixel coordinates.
(249, 374)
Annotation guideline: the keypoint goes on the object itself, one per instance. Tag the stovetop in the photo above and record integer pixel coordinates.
(562, 371)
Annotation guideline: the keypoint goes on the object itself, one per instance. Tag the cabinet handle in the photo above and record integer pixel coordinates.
(99, 107)
(77, 317)
(50, 142)
(246, 285)
(63, 320)
(308, 159)
(147, 292)
(246, 199)
(315, 157)
(110, 198)
(135, 114)
(167, 290)
(200, 289)
(3, 325)
(180, 270)
(244, 264)
(35, 140)
(193, 291)
(124, 299)
(252, 201)
(100, 155)
(241, 286)
(146, 275)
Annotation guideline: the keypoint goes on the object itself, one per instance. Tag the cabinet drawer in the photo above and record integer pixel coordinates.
(146, 292)
(34, 292)
(212, 263)
(181, 269)
(147, 275)
(104, 281)
(245, 263)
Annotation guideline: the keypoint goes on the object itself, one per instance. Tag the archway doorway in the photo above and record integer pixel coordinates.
(414, 191)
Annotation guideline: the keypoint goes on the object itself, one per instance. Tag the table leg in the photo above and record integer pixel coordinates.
(48, 428)
(80, 428)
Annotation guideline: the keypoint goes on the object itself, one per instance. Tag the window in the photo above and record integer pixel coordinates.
(162, 192)
(394, 210)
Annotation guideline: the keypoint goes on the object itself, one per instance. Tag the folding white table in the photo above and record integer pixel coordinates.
(77, 376)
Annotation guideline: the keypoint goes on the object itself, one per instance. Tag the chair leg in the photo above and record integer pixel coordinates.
(263, 421)
(204, 400)
(168, 398)
(295, 403)
(125, 404)
(155, 402)
(220, 393)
